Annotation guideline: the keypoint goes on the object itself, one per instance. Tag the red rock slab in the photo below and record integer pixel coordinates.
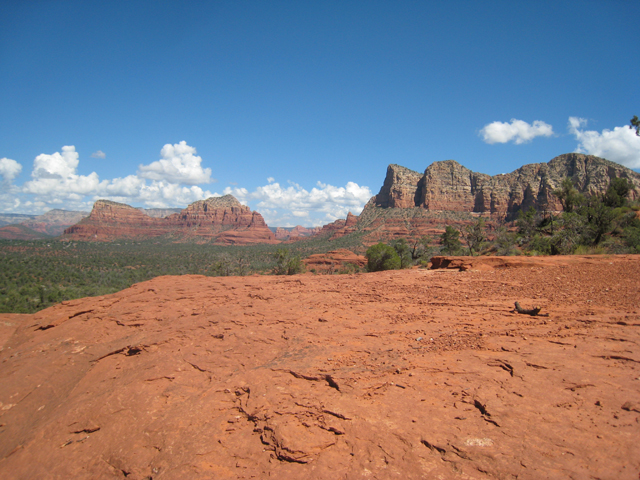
(334, 260)
(402, 374)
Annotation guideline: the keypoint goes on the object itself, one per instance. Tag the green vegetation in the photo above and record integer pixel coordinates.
(36, 274)
(382, 257)
(635, 124)
(40, 273)
(450, 241)
(286, 263)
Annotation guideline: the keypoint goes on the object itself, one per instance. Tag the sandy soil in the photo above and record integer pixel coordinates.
(403, 374)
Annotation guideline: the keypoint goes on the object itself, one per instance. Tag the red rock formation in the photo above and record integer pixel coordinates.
(334, 261)
(448, 186)
(412, 205)
(217, 219)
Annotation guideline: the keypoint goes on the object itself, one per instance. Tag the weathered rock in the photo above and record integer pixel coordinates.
(399, 188)
(334, 261)
(448, 186)
(217, 219)
(403, 374)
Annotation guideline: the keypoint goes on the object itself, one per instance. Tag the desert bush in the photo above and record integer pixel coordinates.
(475, 236)
(286, 263)
(404, 252)
(382, 257)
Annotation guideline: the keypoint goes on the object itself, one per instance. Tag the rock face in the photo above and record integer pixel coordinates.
(218, 219)
(399, 188)
(411, 204)
(448, 186)
(340, 260)
(405, 374)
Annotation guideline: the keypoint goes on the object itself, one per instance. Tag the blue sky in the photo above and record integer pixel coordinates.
(295, 107)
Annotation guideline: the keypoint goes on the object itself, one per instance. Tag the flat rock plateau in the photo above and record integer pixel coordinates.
(403, 374)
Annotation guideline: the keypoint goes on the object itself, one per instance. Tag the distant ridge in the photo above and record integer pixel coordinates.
(222, 220)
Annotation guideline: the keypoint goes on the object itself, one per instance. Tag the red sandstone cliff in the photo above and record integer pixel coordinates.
(217, 220)
(410, 204)
(448, 186)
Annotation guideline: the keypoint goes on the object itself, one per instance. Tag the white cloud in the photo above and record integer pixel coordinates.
(54, 177)
(620, 145)
(9, 170)
(179, 164)
(322, 204)
(99, 154)
(517, 131)
(55, 183)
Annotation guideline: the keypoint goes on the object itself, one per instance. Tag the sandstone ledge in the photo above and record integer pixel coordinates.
(403, 374)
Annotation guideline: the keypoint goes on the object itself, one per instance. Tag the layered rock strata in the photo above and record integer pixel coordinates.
(448, 186)
(217, 219)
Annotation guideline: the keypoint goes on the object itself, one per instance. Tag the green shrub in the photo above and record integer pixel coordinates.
(382, 257)
(287, 264)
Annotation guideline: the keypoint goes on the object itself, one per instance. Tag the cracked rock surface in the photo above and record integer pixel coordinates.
(403, 374)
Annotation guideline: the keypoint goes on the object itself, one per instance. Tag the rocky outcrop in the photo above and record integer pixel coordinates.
(340, 227)
(218, 220)
(340, 260)
(448, 186)
(411, 204)
(399, 188)
(412, 374)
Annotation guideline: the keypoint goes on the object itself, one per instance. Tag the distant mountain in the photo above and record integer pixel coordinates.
(160, 212)
(14, 218)
(221, 220)
(50, 224)
(54, 222)
(293, 233)
(21, 232)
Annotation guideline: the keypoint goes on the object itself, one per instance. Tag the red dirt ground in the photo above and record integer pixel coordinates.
(403, 374)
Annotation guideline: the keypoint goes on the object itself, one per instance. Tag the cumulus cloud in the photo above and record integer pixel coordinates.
(9, 170)
(179, 164)
(99, 154)
(54, 177)
(518, 131)
(54, 182)
(322, 204)
(620, 145)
